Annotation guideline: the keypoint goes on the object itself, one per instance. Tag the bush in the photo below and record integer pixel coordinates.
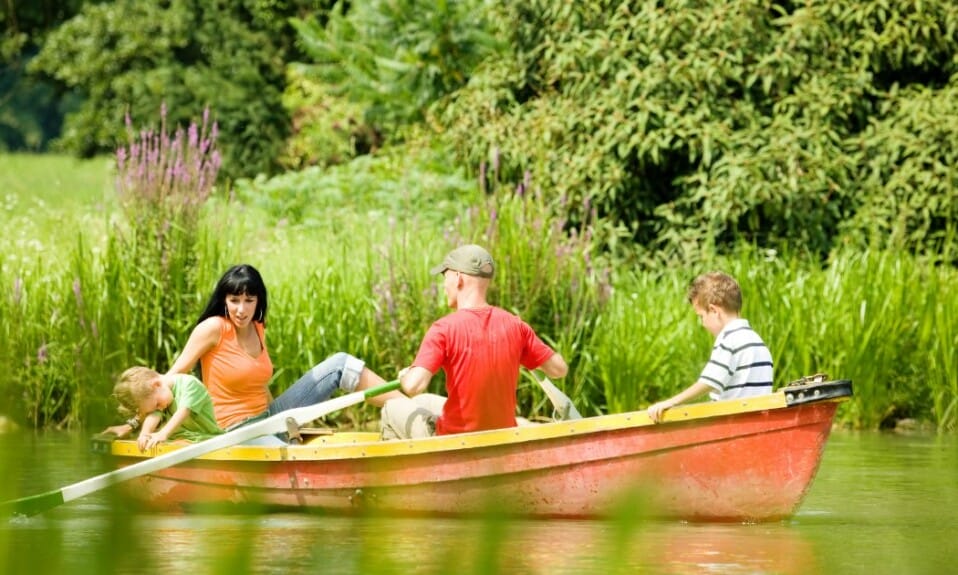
(326, 130)
(130, 57)
(700, 123)
(396, 57)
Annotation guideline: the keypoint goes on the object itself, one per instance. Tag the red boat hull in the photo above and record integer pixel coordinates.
(713, 462)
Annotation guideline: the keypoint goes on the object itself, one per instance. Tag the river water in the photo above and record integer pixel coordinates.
(881, 503)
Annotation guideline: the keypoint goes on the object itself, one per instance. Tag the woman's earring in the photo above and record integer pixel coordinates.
(226, 311)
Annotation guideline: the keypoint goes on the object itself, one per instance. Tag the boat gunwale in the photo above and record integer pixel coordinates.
(361, 445)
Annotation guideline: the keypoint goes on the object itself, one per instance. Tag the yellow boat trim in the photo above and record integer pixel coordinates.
(358, 445)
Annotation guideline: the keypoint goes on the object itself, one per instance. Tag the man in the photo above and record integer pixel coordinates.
(480, 347)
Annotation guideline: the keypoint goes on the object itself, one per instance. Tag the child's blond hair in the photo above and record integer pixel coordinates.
(133, 386)
(716, 288)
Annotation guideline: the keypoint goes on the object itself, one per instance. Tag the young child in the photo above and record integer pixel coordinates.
(179, 400)
(740, 364)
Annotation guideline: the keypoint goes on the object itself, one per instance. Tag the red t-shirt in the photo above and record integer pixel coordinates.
(481, 351)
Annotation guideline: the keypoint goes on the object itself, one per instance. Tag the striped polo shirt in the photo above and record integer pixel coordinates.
(740, 364)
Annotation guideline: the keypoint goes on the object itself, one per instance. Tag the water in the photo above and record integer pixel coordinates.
(881, 503)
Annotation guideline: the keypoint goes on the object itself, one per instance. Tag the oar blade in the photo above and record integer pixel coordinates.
(564, 408)
(32, 505)
(274, 424)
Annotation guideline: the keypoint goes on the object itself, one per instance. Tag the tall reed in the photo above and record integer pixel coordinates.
(549, 272)
(884, 320)
(353, 276)
(163, 180)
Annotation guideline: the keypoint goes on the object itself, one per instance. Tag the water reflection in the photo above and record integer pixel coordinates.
(881, 504)
(292, 543)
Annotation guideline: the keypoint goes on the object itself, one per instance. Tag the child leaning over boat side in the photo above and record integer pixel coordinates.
(229, 343)
(740, 364)
(179, 401)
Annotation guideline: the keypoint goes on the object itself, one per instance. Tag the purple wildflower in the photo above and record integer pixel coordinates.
(78, 292)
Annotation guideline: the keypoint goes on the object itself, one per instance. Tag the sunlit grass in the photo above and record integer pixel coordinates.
(346, 254)
(884, 320)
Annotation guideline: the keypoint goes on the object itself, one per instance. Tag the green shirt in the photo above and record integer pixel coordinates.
(200, 424)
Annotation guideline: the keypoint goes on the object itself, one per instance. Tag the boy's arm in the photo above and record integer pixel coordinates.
(697, 389)
(168, 429)
(149, 423)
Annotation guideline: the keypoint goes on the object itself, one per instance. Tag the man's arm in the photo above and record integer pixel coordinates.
(414, 380)
(555, 366)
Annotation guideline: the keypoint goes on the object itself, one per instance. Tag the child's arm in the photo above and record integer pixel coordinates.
(697, 389)
(168, 429)
(146, 430)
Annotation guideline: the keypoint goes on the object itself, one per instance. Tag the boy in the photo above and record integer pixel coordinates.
(180, 399)
(740, 364)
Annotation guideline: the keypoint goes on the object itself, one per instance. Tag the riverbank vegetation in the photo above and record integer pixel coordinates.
(605, 152)
(353, 276)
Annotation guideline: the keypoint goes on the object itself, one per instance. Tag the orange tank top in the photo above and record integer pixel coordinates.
(236, 381)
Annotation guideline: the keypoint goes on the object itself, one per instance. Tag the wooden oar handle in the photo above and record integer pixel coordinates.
(380, 389)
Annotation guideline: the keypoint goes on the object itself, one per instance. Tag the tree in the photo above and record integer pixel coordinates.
(131, 56)
(31, 109)
(700, 123)
(396, 57)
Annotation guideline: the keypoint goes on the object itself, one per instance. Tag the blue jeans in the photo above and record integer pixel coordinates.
(339, 370)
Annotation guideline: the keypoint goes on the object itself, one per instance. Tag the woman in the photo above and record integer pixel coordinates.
(229, 342)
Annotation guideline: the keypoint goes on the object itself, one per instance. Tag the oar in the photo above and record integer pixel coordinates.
(564, 409)
(273, 424)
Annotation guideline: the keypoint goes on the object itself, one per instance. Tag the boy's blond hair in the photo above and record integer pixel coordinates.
(134, 385)
(716, 288)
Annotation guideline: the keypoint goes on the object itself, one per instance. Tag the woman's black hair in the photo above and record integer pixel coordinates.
(241, 279)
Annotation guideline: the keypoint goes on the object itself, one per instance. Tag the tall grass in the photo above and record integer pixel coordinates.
(350, 273)
(884, 320)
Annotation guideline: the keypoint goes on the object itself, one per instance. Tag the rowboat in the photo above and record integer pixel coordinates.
(745, 460)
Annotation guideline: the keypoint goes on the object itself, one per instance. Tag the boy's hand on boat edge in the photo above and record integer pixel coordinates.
(657, 410)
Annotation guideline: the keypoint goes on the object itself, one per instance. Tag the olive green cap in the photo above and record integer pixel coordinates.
(470, 259)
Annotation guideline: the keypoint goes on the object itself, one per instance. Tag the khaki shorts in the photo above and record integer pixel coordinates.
(411, 418)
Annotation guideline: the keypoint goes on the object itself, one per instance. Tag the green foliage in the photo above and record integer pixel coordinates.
(910, 170)
(22, 125)
(397, 57)
(646, 343)
(164, 178)
(31, 110)
(883, 319)
(350, 274)
(326, 129)
(129, 56)
(701, 123)
(416, 180)
(46, 201)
